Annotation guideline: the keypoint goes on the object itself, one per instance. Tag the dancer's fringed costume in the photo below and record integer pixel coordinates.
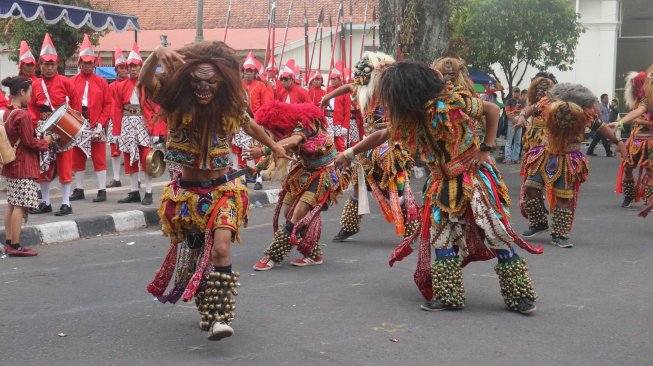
(638, 93)
(537, 92)
(465, 212)
(313, 183)
(212, 202)
(558, 166)
(386, 169)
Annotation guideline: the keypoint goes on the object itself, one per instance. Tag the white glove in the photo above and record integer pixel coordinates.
(155, 139)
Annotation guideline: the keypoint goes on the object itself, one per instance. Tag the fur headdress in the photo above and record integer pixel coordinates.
(366, 74)
(282, 118)
(574, 93)
(634, 88)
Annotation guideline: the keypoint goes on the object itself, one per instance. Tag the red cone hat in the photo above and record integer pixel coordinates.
(25, 55)
(118, 58)
(135, 56)
(86, 53)
(251, 63)
(48, 52)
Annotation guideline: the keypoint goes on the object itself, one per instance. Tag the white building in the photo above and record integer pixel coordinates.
(618, 38)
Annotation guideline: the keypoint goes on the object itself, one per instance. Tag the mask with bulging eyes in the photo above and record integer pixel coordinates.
(448, 73)
(204, 81)
(363, 71)
(541, 89)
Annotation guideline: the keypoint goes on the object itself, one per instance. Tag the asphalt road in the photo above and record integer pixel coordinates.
(595, 304)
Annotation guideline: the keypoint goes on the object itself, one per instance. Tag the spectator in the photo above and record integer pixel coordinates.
(514, 105)
(614, 110)
(21, 174)
(604, 116)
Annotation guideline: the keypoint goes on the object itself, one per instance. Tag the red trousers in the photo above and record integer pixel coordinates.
(239, 153)
(142, 152)
(114, 150)
(98, 155)
(64, 168)
(339, 141)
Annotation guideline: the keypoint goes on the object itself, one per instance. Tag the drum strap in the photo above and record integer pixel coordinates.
(47, 95)
(85, 96)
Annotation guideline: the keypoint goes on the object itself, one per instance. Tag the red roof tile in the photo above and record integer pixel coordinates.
(182, 14)
(239, 39)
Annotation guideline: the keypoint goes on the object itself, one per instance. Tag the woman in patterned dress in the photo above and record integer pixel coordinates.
(22, 172)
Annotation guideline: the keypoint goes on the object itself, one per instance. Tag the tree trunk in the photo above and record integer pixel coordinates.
(424, 31)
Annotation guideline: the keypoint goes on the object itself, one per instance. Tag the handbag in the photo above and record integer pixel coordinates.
(7, 150)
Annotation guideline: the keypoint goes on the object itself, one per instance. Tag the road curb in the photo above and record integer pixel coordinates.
(117, 222)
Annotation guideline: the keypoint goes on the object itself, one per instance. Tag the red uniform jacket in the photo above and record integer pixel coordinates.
(316, 94)
(100, 102)
(59, 88)
(116, 107)
(296, 93)
(149, 108)
(341, 109)
(26, 164)
(257, 94)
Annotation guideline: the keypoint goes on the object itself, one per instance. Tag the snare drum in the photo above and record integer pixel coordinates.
(65, 122)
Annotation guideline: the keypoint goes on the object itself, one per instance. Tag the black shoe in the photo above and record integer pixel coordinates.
(591, 154)
(258, 186)
(561, 241)
(43, 208)
(64, 210)
(525, 306)
(343, 234)
(147, 199)
(132, 197)
(101, 196)
(78, 194)
(249, 178)
(114, 183)
(438, 305)
(627, 201)
(532, 230)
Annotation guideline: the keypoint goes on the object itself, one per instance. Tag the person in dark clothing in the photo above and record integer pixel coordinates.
(604, 116)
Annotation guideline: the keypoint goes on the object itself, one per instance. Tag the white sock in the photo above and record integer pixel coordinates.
(115, 164)
(79, 179)
(140, 174)
(259, 178)
(45, 192)
(102, 179)
(148, 183)
(65, 192)
(133, 182)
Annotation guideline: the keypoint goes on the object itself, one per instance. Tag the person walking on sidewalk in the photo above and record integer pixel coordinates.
(22, 172)
(513, 136)
(604, 116)
(96, 108)
(49, 93)
(201, 97)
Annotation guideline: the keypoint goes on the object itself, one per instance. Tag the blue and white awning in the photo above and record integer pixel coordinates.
(74, 16)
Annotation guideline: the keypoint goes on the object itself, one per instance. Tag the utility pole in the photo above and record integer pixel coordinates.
(199, 34)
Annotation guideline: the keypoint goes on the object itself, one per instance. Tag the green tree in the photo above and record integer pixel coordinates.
(514, 34)
(66, 39)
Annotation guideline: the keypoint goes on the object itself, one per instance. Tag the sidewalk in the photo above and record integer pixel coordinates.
(92, 219)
